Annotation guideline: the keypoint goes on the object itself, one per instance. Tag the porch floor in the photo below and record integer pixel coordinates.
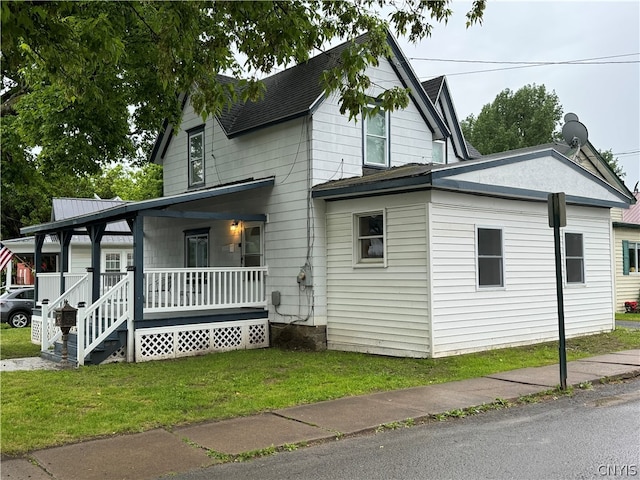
(187, 317)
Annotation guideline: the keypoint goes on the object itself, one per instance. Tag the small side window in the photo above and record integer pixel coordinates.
(369, 238)
(376, 139)
(490, 257)
(574, 257)
(438, 152)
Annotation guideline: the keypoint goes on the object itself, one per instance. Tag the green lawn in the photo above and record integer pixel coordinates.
(628, 317)
(46, 408)
(16, 343)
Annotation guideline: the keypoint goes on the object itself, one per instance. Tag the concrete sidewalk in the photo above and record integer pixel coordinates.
(159, 452)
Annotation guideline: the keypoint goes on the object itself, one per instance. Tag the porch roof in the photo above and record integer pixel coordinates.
(145, 207)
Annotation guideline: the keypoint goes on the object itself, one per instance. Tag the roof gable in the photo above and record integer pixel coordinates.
(297, 91)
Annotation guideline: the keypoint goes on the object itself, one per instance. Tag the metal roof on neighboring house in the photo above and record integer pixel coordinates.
(632, 214)
(65, 208)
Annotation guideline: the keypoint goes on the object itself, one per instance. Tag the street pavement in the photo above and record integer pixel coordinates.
(164, 452)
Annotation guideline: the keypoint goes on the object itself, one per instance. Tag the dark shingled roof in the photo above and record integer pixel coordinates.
(284, 98)
(432, 87)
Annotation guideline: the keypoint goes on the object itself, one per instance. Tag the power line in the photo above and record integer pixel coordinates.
(583, 61)
(622, 154)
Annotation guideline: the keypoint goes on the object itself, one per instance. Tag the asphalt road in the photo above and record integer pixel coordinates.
(594, 434)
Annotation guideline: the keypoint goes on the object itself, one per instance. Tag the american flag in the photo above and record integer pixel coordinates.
(5, 257)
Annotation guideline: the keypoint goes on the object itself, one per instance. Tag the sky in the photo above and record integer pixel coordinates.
(605, 96)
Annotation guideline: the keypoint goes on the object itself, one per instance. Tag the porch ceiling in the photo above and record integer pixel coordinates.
(153, 207)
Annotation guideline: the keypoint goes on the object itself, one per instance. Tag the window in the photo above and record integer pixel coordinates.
(376, 139)
(129, 259)
(438, 151)
(196, 156)
(574, 257)
(490, 263)
(197, 248)
(630, 257)
(370, 238)
(252, 255)
(112, 262)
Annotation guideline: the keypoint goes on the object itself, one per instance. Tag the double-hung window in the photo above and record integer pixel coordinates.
(196, 248)
(490, 257)
(196, 156)
(376, 138)
(574, 257)
(369, 238)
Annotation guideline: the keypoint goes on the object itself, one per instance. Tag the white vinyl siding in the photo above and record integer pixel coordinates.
(382, 311)
(466, 318)
(627, 286)
(338, 142)
(281, 151)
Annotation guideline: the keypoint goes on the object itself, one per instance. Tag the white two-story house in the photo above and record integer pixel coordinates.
(284, 222)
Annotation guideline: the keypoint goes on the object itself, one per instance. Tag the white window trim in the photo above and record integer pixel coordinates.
(195, 233)
(191, 134)
(123, 258)
(637, 249)
(564, 260)
(355, 239)
(485, 288)
(387, 150)
(444, 152)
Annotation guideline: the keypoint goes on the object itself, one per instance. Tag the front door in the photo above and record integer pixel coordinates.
(252, 245)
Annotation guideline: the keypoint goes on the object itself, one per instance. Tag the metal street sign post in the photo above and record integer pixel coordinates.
(557, 219)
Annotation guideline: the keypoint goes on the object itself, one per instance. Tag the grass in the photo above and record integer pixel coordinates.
(628, 317)
(46, 408)
(16, 343)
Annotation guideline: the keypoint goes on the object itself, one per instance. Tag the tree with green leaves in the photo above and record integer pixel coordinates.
(607, 156)
(87, 83)
(530, 116)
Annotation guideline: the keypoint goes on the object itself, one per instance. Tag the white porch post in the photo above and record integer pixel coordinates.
(44, 333)
(130, 314)
(8, 271)
(80, 327)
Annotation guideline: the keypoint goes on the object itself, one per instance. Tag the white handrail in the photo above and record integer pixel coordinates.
(102, 318)
(204, 288)
(78, 292)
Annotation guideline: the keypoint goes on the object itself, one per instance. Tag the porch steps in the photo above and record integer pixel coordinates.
(102, 352)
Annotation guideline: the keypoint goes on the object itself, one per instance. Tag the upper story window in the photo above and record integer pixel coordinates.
(490, 257)
(574, 257)
(196, 156)
(112, 262)
(438, 152)
(376, 139)
(369, 238)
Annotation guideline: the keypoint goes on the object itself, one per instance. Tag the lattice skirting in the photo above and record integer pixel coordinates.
(36, 330)
(189, 340)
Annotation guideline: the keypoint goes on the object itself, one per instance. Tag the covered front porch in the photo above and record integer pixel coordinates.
(153, 313)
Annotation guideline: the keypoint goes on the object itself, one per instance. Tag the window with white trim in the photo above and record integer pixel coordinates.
(630, 257)
(376, 139)
(196, 156)
(369, 238)
(438, 151)
(490, 257)
(574, 257)
(196, 248)
(112, 262)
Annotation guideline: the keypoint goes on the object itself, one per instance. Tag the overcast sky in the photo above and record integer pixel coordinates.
(606, 97)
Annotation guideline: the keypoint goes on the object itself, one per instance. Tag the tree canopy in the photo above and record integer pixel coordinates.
(530, 116)
(607, 156)
(89, 82)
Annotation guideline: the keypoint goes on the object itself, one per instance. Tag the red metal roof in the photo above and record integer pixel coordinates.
(632, 214)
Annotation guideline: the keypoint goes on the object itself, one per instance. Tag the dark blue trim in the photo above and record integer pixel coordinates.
(423, 181)
(197, 231)
(138, 265)
(454, 118)
(413, 99)
(417, 87)
(185, 319)
(130, 210)
(634, 226)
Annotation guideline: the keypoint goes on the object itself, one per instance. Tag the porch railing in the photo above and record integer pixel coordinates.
(49, 283)
(78, 292)
(204, 288)
(101, 319)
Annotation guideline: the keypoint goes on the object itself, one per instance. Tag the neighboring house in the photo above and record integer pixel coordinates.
(116, 253)
(626, 234)
(384, 235)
